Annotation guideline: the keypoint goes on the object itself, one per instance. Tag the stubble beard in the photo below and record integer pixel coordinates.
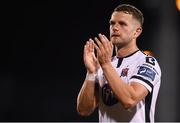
(119, 44)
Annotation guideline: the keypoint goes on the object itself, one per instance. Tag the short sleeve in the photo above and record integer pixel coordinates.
(147, 72)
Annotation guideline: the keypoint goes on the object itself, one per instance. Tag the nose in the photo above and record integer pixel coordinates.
(115, 27)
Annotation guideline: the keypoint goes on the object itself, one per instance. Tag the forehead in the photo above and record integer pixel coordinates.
(116, 16)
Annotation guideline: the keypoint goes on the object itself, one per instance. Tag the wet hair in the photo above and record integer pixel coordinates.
(130, 9)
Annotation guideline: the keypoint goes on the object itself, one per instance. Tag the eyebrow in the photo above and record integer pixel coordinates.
(119, 22)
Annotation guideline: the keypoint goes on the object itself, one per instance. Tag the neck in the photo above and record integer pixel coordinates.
(125, 51)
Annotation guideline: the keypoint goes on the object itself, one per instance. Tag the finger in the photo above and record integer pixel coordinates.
(97, 49)
(108, 42)
(110, 45)
(86, 47)
(94, 57)
(103, 40)
(85, 51)
(91, 45)
(100, 46)
(105, 37)
(96, 61)
(99, 43)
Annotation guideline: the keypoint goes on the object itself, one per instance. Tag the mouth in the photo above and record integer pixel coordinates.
(115, 35)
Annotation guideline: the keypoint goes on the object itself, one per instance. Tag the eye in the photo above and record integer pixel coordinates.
(111, 22)
(122, 23)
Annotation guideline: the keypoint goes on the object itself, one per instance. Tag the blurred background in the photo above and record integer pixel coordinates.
(41, 65)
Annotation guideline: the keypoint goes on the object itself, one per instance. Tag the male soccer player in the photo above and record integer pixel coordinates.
(125, 87)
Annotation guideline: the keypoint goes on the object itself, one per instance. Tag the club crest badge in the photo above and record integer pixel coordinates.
(124, 72)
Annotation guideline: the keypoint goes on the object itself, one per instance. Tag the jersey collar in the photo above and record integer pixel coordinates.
(128, 55)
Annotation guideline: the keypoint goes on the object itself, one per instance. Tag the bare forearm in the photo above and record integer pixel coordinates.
(86, 101)
(123, 91)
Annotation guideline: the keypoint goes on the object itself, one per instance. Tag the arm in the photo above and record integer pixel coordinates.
(87, 98)
(128, 95)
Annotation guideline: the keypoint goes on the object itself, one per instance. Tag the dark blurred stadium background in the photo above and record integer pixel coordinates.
(41, 66)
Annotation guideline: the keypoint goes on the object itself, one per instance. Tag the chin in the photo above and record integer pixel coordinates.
(115, 41)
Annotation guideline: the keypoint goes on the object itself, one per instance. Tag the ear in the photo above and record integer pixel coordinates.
(138, 31)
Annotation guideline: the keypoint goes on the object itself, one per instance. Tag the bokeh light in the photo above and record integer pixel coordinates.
(178, 4)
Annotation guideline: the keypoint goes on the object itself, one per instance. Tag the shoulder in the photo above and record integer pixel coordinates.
(147, 71)
(148, 62)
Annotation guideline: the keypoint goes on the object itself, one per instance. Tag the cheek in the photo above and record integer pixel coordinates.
(128, 32)
(123, 29)
(110, 31)
(124, 33)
